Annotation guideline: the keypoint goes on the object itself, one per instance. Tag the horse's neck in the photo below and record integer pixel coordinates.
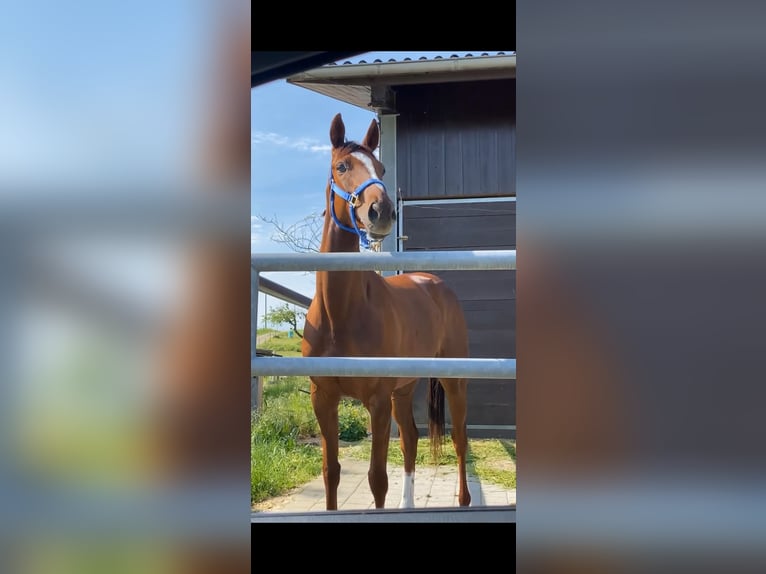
(341, 292)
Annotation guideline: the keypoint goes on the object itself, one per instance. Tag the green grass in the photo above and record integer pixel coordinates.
(282, 459)
(286, 413)
(278, 461)
(492, 460)
(276, 467)
(265, 330)
(278, 386)
(282, 344)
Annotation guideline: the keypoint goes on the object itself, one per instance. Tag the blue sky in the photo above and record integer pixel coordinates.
(96, 88)
(290, 155)
(95, 93)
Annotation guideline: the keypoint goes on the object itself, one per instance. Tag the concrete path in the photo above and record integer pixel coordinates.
(435, 487)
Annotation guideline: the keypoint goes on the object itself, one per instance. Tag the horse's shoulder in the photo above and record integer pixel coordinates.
(414, 278)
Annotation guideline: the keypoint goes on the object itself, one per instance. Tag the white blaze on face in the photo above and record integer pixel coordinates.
(408, 490)
(367, 163)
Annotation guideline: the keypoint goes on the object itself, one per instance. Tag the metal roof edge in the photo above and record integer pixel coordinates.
(410, 72)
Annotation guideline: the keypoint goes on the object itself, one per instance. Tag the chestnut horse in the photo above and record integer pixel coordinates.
(362, 314)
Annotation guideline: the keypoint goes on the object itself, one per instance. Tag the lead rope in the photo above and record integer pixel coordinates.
(375, 246)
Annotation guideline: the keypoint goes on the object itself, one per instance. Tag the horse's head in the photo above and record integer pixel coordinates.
(358, 199)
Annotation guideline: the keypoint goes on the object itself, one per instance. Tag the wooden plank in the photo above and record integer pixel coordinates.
(462, 226)
(506, 153)
(472, 123)
(495, 312)
(492, 344)
(453, 160)
(486, 162)
(403, 154)
(481, 285)
(489, 403)
(486, 232)
(435, 164)
(469, 142)
(466, 208)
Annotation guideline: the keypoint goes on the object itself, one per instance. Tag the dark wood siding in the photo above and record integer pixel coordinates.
(456, 139)
(488, 297)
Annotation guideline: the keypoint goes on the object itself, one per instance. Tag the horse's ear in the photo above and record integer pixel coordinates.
(372, 137)
(337, 132)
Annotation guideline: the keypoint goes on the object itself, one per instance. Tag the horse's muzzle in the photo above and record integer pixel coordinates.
(381, 217)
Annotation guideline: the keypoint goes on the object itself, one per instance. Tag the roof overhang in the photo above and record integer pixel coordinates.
(369, 86)
(268, 66)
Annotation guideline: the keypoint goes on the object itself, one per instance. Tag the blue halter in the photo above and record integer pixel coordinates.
(352, 199)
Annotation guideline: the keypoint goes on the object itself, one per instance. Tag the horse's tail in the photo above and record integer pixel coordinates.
(436, 417)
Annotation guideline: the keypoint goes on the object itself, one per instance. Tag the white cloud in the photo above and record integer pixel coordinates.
(256, 234)
(300, 144)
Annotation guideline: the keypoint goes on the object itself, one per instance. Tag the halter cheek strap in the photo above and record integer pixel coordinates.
(352, 199)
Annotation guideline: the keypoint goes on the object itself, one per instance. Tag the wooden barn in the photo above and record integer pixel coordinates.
(448, 133)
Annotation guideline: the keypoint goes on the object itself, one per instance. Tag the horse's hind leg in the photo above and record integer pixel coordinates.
(379, 406)
(401, 401)
(456, 391)
(326, 411)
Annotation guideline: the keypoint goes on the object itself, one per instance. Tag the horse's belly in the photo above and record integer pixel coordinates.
(361, 388)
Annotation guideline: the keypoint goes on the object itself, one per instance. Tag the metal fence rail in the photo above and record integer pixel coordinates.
(379, 366)
(387, 261)
(390, 367)
(266, 285)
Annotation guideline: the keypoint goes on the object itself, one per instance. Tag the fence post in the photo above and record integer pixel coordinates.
(256, 383)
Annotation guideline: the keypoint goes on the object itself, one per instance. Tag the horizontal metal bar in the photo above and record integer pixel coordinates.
(504, 514)
(256, 385)
(281, 292)
(387, 261)
(384, 367)
(458, 200)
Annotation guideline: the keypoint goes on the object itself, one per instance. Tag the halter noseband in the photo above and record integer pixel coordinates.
(352, 199)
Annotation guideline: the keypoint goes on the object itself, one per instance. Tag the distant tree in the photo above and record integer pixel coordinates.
(303, 236)
(287, 316)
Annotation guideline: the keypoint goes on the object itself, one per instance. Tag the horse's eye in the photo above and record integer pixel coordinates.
(341, 167)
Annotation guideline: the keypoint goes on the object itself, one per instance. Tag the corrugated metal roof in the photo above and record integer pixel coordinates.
(368, 81)
(363, 60)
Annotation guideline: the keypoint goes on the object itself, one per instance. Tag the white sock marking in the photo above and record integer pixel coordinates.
(408, 490)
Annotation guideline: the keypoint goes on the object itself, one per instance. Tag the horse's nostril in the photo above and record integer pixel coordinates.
(393, 215)
(373, 214)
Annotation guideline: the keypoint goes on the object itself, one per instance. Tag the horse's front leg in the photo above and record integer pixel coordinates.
(379, 407)
(326, 411)
(401, 401)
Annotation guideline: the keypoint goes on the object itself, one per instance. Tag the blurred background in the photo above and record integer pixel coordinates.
(124, 177)
(124, 199)
(641, 273)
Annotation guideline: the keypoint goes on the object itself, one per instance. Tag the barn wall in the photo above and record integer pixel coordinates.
(456, 139)
(488, 298)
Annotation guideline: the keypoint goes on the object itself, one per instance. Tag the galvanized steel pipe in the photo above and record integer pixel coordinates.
(384, 367)
(407, 261)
